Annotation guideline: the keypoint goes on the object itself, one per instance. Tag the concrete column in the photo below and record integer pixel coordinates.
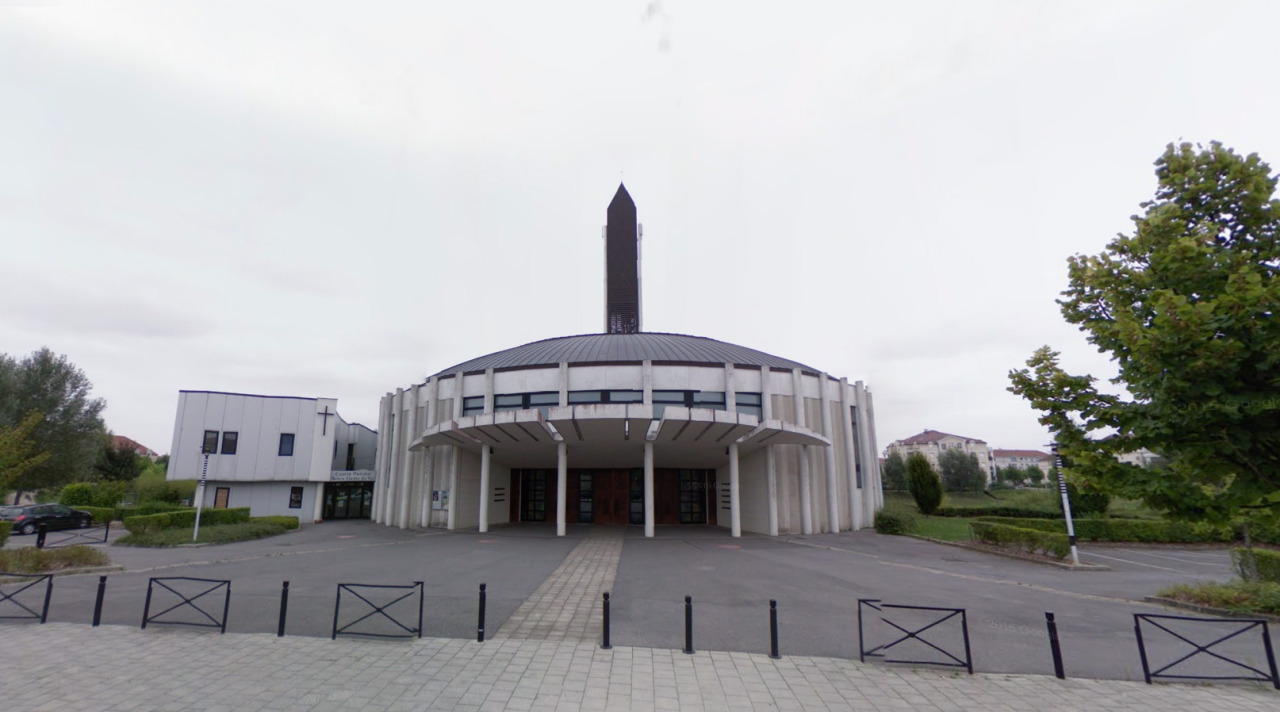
(488, 390)
(646, 379)
(874, 447)
(410, 459)
(379, 462)
(451, 516)
(428, 455)
(735, 500)
(319, 509)
(771, 482)
(564, 381)
(562, 485)
(829, 457)
(870, 467)
(648, 489)
(486, 454)
(730, 391)
(806, 486)
(852, 458)
(393, 478)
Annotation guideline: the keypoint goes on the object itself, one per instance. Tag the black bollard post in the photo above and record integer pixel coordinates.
(41, 530)
(688, 625)
(773, 629)
(1054, 646)
(97, 605)
(284, 609)
(605, 643)
(480, 625)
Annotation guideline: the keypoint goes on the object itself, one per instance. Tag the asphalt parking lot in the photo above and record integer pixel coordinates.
(816, 581)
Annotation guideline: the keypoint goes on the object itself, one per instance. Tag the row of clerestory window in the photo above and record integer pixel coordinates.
(230, 439)
(543, 401)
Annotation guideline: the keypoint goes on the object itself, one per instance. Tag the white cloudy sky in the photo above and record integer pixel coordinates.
(336, 199)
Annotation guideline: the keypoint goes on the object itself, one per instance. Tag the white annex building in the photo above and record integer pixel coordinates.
(274, 454)
(629, 427)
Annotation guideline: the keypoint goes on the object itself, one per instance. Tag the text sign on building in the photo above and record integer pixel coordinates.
(351, 476)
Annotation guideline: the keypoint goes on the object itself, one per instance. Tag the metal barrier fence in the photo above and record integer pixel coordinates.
(380, 610)
(881, 651)
(1243, 625)
(172, 584)
(10, 599)
(72, 537)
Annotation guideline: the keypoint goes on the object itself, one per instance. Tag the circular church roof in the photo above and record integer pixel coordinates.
(624, 348)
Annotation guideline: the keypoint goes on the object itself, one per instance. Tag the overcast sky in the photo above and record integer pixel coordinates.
(338, 199)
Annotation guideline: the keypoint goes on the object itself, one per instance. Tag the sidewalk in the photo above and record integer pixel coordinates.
(66, 666)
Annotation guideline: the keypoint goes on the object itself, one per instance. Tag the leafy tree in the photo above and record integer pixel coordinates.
(1011, 475)
(71, 430)
(17, 451)
(1187, 306)
(120, 464)
(894, 471)
(923, 483)
(961, 471)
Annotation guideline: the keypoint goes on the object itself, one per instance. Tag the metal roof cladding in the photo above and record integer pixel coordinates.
(624, 348)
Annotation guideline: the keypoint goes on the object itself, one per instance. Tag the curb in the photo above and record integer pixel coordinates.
(66, 572)
(1010, 554)
(1197, 608)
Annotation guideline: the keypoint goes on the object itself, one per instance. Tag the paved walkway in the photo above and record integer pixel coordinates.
(567, 605)
(68, 666)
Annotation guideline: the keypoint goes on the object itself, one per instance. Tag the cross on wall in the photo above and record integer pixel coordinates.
(325, 429)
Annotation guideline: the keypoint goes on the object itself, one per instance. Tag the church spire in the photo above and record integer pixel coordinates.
(622, 265)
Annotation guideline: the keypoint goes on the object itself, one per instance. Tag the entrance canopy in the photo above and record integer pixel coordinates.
(613, 435)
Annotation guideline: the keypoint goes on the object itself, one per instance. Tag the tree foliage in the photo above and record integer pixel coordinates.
(923, 483)
(120, 464)
(894, 471)
(961, 471)
(18, 453)
(70, 432)
(1187, 306)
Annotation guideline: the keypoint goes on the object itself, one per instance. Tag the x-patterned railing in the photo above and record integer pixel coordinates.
(9, 599)
(354, 589)
(72, 537)
(882, 651)
(177, 585)
(1244, 625)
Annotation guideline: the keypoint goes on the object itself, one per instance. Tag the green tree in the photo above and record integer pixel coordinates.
(923, 483)
(1187, 307)
(17, 452)
(71, 430)
(961, 471)
(1011, 475)
(119, 464)
(894, 472)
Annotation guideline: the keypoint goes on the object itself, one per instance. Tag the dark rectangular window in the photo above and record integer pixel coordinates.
(534, 495)
(473, 405)
(543, 402)
(625, 396)
(693, 496)
(295, 498)
(585, 397)
(229, 442)
(286, 444)
(689, 399)
(351, 456)
(708, 399)
(749, 403)
(586, 497)
(509, 401)
(210, 442)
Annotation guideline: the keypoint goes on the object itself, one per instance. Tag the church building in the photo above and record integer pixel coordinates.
(629, 427)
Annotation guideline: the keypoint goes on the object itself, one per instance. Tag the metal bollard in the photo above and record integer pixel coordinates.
(773, 629)
(97, 605)
(284, 609)
(480, 625)
(605, 643)
(41, 530)
(688, 625)
(1054, 646)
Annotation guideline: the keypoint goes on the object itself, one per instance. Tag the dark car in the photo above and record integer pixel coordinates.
(27, 518)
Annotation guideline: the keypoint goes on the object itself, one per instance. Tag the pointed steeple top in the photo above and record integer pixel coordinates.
(622, 197)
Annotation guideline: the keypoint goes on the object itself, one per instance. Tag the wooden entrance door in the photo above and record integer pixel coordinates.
(611, 500)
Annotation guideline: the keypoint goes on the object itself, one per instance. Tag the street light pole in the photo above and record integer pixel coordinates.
(204, 474)
(1066, 506)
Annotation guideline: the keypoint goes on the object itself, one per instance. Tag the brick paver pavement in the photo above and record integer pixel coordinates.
(61, 666)
(567, 605)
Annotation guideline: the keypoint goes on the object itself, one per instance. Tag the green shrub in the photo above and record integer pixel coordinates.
(894, 521)
(217, 534)
(1140, 530)
(1237, 596)
(184, 518)
(100, 514)
(1085, 499)
(30, 560)
(999, 510)
(158, 507)
(1029, 540)
(286, 522)
(77, 494)
(923, 483)
(165, 491)
(4, 531)
(1257, 564)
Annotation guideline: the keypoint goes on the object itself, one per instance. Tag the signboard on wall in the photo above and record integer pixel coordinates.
(351, 476)
(440, 499)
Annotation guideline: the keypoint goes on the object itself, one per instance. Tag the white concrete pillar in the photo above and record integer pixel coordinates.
(393, 475)
(870, 466)
(488, 390)
(771, 483)
(407, 469)
(564, 382)
(735, 500)
(829, 456)
(806, 486)
(562, 485)
(428, 455)
(874, 447)
(451, 516)
(380, 461)
(319, 508)
(486, 454)
(648, 489)
(852, 458)
(646, 380)
(730, 390)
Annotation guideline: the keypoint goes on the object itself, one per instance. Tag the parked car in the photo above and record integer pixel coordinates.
(27, 518)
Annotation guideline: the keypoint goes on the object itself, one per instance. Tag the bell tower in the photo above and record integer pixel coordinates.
(622, 266)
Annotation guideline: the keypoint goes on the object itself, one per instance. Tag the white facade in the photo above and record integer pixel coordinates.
(772, 468)
(932, 443)
(274, 454)
(1023, 459)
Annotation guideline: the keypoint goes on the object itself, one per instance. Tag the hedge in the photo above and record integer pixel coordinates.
(1265, 562)
(995, 511)
(284, 521)
(1029, 540)
(184, 518)
(889, 521)
(100, 514)
(1127, 530)
(4, 531)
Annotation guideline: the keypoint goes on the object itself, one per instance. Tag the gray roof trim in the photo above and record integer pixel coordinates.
(603, 349)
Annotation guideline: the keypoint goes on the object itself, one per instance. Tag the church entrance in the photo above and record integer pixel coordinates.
(615, 496)
(348, 500)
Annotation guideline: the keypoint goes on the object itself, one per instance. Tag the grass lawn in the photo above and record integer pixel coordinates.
(30, 560)
(1236, 596)
(943, 528)
(209, 534)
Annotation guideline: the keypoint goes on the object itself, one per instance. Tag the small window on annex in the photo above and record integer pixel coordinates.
(210, 442)
(229, 442)
(295, 498)
(473, 405)
(749, 403)
(286, 444)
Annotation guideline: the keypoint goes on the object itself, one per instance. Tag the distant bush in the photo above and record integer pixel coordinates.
(998, 510)
(1257, 564)
(92, 494)
(286, 522)
(1140, 530)
(894, 521)
(1085, 499)
(1032, 541)
(184, 518)
(923, 483)
(100, 514)
(165, 491)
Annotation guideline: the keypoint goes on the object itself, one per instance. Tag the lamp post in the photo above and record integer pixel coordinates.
(1066, 506)
(204, 474)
